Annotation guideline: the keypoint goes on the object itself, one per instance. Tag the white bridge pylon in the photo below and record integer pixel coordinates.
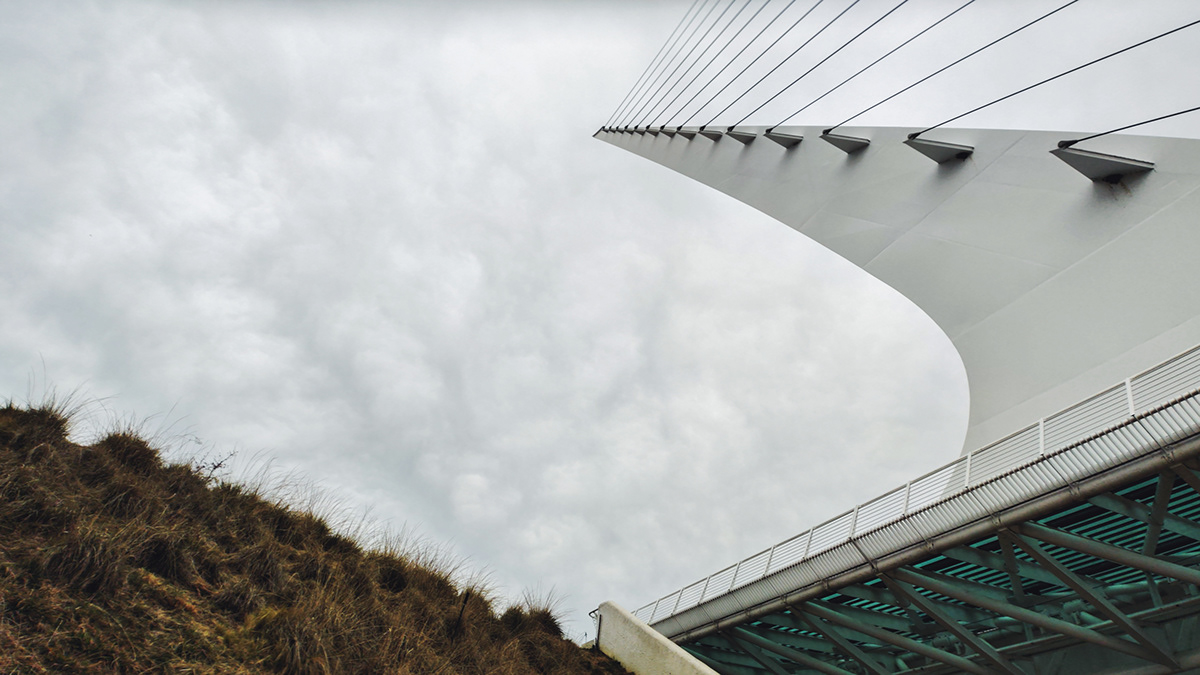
(1054, 276)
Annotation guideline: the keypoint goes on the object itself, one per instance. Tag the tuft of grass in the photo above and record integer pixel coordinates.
(114, 560)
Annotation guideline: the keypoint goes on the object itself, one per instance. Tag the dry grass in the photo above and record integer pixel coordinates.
(114, 561)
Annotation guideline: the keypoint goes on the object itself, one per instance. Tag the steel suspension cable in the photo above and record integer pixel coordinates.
(1067, 144)
(785, 60)
(954, 63)
(1055, 77)
(714, 58)
(730, 62)
(688, 56)
(663, 83)
(613, 118)
(764, 53)
(872, 64)
(663, 65)
(818, 64)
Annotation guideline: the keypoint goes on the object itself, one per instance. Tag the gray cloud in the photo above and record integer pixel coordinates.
(378, 244)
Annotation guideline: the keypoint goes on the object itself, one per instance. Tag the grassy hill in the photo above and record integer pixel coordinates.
(112, 561)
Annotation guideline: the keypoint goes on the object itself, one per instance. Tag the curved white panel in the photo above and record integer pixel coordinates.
(1050, 285)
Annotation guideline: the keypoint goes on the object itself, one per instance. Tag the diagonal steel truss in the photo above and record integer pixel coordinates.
(1106, 584)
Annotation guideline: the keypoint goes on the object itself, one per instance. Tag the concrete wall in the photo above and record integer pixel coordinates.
(641, 649)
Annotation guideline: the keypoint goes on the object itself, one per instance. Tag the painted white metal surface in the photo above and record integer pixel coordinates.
(1051, 286)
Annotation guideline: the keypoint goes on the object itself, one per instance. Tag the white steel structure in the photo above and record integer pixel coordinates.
(1050, 284)
(1066, 538)
(1065, 278)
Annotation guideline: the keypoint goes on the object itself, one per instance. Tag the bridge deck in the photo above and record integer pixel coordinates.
(1010, 559)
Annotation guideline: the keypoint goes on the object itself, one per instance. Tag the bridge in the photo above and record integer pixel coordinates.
(1066, 537)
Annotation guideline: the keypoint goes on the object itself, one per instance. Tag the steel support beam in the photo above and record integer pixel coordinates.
(1097, 600)
(722, 654)
(849, 648)
(805, 642)
(1188, 476)
(882, 596)
(964, 634)
(793, 655)
(721, 667)
(1121, 556)
(755, 653)
(999, 563)
(1142, 513)
(958, 592)
(887, 637)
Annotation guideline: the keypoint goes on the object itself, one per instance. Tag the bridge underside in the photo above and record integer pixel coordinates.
(1106, 584)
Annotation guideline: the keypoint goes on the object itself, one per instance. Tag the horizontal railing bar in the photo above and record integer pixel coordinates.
(948, 472)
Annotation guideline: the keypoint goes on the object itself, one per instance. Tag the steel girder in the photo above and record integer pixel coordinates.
(1109, 584)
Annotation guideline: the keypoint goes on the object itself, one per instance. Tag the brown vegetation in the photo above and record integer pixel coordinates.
(113, 561)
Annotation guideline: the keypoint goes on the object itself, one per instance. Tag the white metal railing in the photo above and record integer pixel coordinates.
(921, 499)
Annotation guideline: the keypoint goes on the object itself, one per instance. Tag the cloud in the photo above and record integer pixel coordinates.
(378, 244)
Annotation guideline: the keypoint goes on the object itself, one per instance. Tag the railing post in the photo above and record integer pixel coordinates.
(1042, 437)
(704, 590)
(967, 478)
(907, 496)
(770, 557)
(808, 544)
(1129, 396)
(735, 573)
(853, 521)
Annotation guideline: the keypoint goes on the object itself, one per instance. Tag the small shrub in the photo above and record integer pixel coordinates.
(294, 644)
(95, 468)
(168, 555)
(125, 499)
(239, 597)
(86, 561)
(262, 563)
(514, 619)
(30, 428)
(393, 574)
(131, 452)
(25, 500)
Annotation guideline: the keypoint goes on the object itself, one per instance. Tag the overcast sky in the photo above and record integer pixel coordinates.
(376, 244)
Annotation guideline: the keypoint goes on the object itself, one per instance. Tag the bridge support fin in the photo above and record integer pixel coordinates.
(786, 140)
(940, 151)
(743, 137)
(847, 144)
(1100, 167)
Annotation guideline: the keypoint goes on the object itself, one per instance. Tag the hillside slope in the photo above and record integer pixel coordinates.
(113, 561)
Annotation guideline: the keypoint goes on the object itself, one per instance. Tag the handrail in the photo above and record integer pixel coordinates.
(1170, 381)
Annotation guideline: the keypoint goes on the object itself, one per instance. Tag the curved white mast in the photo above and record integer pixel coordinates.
(1050, 284)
